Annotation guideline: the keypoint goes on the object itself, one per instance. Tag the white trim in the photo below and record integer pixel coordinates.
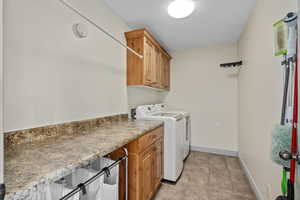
(215, 151)
(253, 185)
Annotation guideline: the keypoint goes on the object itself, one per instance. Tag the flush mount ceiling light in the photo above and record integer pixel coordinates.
(181, 8)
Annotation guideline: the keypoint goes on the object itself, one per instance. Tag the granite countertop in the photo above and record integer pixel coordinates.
(43, 161)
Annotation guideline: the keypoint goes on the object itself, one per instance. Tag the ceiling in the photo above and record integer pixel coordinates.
(213, 21)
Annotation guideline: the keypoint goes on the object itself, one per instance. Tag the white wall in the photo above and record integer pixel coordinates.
(209, 93)
(143, 95)
(53, 77)
(260, 94)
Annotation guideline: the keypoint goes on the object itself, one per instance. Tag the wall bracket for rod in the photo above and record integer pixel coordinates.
(232, 64)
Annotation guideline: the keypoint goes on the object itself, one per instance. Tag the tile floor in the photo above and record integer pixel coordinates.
(209, 177)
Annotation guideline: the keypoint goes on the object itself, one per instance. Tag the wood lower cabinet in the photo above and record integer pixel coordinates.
(154, 69)
(158, 163)
(145, 166)
(146, 173)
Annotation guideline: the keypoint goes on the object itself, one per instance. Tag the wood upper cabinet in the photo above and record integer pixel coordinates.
(154, 68)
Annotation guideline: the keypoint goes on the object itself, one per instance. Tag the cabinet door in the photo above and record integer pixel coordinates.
(135, 64)
(160, 69)
(153, 66)
(168, 68)
(158, 163)
(166, 73)
(147, 166)
(149, 63)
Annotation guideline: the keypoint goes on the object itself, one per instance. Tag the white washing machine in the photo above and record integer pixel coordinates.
(174, 128)
(187, 132)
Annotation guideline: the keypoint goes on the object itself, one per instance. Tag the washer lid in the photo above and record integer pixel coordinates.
(177, 116)
(166, 114)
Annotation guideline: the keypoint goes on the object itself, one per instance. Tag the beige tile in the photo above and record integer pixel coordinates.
(243, 189)
(238, 175)
(196, 193)
(196, 179)
(168, 192)
(196, 167)
(233, 163)
(199, 156)
(240, 183)
(218, 194)
(220, 179)
(209, 177)
(217, 162)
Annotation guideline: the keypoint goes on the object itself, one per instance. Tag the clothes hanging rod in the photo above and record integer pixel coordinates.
(234, 64)
(66, 4)
(105, 170)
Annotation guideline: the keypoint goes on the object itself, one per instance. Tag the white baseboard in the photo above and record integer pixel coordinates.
(254, 187)
(215, 151)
